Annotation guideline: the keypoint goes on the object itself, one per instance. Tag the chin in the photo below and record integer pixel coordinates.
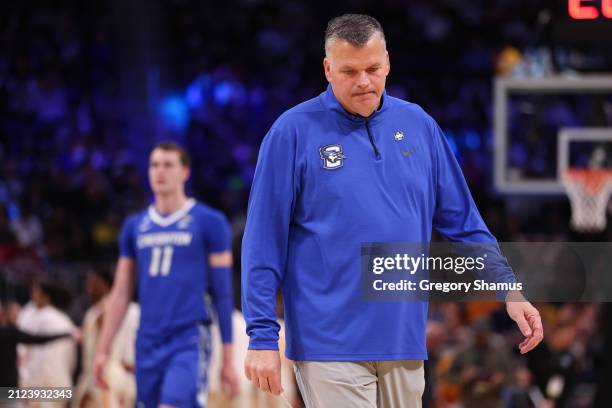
(365, 112)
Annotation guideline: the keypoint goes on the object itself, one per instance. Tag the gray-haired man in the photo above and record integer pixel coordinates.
(332, 173)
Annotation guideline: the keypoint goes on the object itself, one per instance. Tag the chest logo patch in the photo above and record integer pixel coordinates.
(145, 225)
(398, 136)
(332, 156)
(185, 221)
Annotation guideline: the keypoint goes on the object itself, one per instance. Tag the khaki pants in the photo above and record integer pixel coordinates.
(361, 384)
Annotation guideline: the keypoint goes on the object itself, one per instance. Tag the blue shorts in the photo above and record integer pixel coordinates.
(174, 370)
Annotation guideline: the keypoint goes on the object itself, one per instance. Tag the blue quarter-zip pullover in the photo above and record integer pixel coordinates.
(325, 182)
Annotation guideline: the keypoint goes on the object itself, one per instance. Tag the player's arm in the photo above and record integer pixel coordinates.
(115, 308)
(219, 243)
(219, 239)
(221, 290)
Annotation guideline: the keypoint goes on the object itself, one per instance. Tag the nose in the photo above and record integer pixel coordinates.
(362, 80)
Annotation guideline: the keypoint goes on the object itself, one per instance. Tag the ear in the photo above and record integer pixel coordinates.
(186, 174)
(388, 64)
(327, 69)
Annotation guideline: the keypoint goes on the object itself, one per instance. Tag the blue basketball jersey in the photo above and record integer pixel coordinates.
(171, 255)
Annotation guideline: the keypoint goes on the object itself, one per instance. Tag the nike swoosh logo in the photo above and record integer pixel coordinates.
(408, 153)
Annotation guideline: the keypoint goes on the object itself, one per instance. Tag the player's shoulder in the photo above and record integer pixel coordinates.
(135, 218)
(207, 214)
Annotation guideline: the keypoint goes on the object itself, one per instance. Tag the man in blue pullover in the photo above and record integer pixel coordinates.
(352, 165)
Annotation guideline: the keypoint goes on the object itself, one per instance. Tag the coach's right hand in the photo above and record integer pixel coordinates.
(99, 368)
(263, 369)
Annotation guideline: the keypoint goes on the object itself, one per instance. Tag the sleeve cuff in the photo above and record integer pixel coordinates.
(501, 295)
(263, 345)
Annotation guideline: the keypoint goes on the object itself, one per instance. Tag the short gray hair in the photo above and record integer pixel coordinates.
(356, 29)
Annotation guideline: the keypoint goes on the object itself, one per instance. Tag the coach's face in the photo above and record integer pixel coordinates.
(167, 174)
(358, 74)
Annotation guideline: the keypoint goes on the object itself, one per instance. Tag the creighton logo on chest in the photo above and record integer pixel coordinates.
(332, 156)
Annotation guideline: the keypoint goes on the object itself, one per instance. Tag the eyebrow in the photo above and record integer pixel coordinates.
(349, 68)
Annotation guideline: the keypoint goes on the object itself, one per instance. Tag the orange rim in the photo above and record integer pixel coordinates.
(593, 180)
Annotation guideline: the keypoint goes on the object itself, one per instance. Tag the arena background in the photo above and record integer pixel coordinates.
(86, 88)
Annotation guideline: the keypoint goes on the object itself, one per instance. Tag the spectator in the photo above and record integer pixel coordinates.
(553, 365)
(10, 336)
(53, 364)
(28, 228)
(482, 369)
(120, 369)
(8, 241)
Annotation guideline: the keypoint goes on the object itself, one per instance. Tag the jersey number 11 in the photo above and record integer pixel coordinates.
(161, 260)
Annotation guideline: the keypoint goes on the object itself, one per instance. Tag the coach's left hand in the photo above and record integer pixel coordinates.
(527, 318)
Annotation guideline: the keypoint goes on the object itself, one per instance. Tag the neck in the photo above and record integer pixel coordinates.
(346, 109)
(170, 203)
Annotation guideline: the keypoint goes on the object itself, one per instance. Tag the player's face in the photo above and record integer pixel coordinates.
(358, 74)
(167, 174)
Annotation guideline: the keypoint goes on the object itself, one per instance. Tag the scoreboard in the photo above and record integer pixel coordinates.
(583, 22)
(588, 9)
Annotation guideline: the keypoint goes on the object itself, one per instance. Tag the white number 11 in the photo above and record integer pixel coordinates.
(161, 258)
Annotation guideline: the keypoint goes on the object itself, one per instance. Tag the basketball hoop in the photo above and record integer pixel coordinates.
(589, 191)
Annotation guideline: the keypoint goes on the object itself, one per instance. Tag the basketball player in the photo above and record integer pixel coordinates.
(175, 250)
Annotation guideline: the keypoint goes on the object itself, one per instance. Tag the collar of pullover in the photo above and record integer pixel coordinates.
(331, 103)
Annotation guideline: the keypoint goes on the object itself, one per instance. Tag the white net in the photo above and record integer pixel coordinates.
(589, 192)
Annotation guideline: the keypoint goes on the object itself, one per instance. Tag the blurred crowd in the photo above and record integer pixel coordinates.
(473, 353)
(73, 152)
